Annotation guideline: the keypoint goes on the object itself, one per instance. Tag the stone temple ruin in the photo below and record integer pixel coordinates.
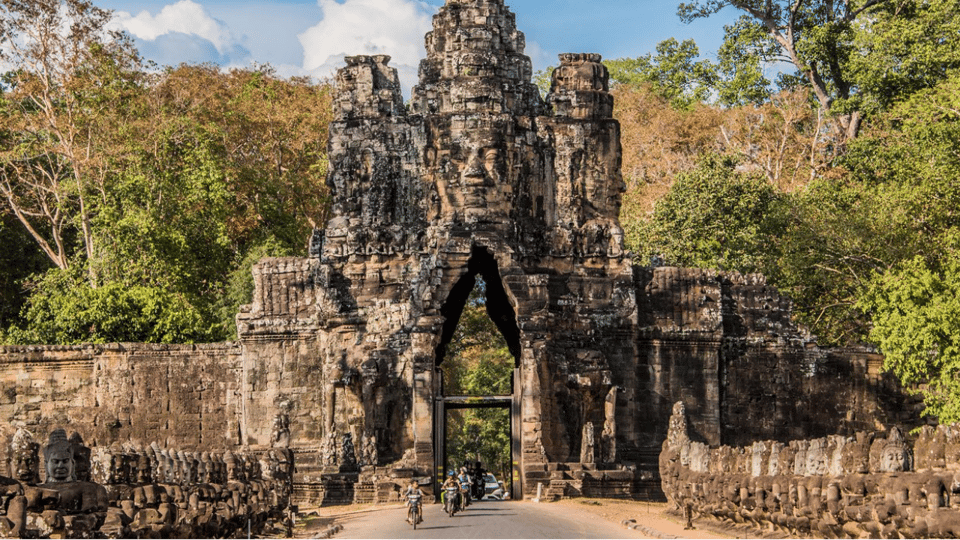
(861, 486)
(339, 353)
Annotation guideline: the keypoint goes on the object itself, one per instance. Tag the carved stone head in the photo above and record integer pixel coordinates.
(232, 467)
(144, 474)
(855, 456)
(81, 456)
(118, 466)
(204, 468)
(891, 454)
(26, 457)
(58, 455)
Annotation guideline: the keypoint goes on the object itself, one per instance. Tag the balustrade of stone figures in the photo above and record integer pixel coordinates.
(132, 491)
(866, 486)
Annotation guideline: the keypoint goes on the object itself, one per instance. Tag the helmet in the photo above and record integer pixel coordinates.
(451, 473)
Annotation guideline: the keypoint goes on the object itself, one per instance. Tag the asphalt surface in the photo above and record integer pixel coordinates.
(486, 519)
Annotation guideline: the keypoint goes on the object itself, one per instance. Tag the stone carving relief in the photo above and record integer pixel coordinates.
(348, 454)
(852, 487)
(609, 436)
(588, 445)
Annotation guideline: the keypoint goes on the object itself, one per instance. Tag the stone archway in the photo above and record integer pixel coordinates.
(503, 313)
(499, 308)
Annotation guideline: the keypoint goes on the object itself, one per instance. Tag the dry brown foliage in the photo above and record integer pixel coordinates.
(788, 139)
(660, 142)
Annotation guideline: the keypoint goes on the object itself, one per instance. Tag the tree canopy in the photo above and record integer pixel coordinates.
(856, 56)
(147, 191)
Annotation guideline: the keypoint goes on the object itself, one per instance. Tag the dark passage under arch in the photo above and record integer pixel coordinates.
(498, 306)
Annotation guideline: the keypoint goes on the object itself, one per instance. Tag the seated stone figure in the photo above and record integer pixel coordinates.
(75, 497)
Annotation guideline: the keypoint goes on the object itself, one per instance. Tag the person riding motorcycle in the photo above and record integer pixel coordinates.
(414, 495)
(477, 475)
(465, 484)
(450, 484)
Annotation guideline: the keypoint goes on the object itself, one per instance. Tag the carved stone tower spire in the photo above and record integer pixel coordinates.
(475, 63)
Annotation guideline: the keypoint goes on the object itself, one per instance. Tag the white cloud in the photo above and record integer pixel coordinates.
(539, 57)
(185, 18)
(392, 27)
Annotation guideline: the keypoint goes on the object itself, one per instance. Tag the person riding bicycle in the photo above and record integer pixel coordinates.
(414, 495)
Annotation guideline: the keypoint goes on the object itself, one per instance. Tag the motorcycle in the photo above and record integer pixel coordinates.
(452, 500)
(477, 484)
(415, 513)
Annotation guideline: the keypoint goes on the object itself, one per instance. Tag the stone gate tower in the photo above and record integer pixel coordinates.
(479, 176)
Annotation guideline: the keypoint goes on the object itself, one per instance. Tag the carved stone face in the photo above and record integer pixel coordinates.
(144, 470)
(232, 469)
(479, 173)
(116, 467)
(27, 462)
(60, 465)
(893, 458)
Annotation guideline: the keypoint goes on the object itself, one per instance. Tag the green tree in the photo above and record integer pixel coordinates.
(855, 56)
(712, 217)
(274, 140)
(916, 324)
(481, 435)
(908, 170)
(64, 309)
(161, 185)
(19, 259)
(740, 79)
(544, 80)
(161, 232)
(62, 107)
(894, 198)
(675, 73)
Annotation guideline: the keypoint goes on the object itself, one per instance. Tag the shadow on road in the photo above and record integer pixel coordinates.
(422, 528)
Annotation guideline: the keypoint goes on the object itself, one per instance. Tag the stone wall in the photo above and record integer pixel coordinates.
(133, 491)
(183, 396)
(724, 344)
(868, 485)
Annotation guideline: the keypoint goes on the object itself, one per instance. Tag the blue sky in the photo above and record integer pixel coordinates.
(311, 37)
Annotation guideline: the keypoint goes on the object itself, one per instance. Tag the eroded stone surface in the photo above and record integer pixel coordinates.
(187, 496)
(840, 487)
(338, 356)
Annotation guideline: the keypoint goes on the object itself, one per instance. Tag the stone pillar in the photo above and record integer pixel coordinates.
(531, 406)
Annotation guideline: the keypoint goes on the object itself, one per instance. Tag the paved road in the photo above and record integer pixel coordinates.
(486, 519)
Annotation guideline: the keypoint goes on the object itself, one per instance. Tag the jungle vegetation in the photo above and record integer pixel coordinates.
(820, 145)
